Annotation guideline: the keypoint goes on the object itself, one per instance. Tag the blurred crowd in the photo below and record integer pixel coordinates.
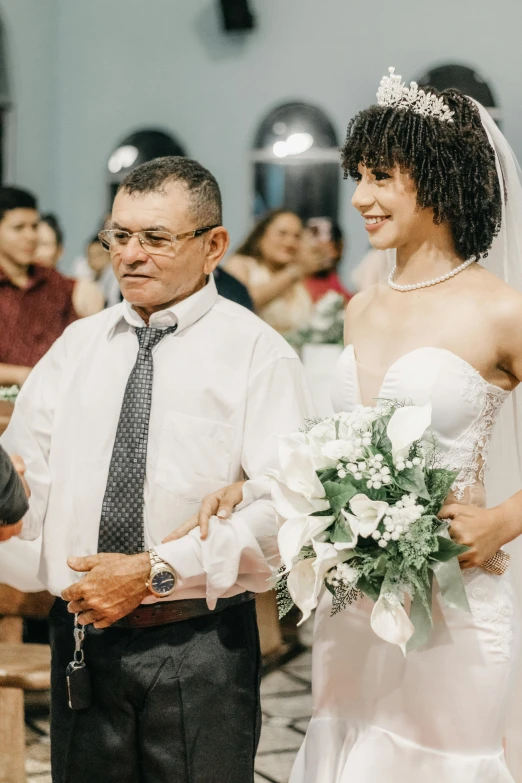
(281, 270)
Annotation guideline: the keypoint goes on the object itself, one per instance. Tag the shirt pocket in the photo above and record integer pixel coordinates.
(194, 455)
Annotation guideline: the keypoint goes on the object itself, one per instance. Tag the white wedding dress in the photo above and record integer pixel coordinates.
(439, 714)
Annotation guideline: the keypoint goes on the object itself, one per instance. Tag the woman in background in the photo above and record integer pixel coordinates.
(87, 296)
(273, 265)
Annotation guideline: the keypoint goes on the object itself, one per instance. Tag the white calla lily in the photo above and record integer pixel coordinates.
(298, 471)
(390, 621)
(368, 514)
(290, 504)
(301, 585)
(338, 449)
(298, 532)
(306, 578)
(407, 425)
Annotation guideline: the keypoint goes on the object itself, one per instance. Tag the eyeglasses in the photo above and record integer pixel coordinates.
(153, 242)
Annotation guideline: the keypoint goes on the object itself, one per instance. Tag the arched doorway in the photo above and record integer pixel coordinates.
(467, 80)
(296, 162)
(136, 149)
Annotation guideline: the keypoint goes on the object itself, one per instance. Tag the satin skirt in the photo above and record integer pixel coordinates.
(438, 715)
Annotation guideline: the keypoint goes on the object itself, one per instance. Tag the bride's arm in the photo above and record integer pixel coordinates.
(485, 531)
(219, 504)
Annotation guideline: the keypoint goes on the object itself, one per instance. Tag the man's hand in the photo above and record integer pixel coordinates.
(10, 531)
(219, 504)
(478, 528)
(113, 587)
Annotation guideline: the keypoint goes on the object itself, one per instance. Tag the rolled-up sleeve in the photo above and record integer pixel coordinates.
(242, 551)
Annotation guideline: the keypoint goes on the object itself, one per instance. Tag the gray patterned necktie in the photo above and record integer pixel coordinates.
(121, 525)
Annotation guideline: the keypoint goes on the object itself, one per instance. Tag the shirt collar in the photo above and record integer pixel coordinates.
(183, 314)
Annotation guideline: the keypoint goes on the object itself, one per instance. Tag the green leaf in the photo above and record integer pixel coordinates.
(439, 483)
(380, 438)
(412, 480)
(448, 549)
(371, 587)
(327, 474)
(339, 494)
(341, 533)
(380, 565)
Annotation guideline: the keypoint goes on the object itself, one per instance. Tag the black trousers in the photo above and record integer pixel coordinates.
(177, 703)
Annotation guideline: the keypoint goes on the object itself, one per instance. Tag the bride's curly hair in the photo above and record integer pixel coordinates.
(451, 163)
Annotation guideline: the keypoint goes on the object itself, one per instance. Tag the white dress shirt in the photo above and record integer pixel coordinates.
(225, 385)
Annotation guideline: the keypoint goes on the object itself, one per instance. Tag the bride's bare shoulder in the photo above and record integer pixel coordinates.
(502, 299)
(363, 299)
(358, 305)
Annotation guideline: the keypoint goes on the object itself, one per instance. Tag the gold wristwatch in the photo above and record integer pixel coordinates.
(162, 578)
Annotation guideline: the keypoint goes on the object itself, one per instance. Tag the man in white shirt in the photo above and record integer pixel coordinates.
(133, 416)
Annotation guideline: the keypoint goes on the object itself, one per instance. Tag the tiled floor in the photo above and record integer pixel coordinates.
(286, 702)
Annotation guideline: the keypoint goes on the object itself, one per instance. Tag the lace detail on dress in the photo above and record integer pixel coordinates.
(469, 453)
(491, 602)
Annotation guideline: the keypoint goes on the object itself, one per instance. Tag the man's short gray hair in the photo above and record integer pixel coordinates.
(155, 175)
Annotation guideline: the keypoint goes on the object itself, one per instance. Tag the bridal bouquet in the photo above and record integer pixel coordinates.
(326, 325)
(359, 495)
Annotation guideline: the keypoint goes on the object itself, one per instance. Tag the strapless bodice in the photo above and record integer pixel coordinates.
(464, 405)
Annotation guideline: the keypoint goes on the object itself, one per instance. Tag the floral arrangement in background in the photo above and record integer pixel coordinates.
(9, 393)
(358, 495)
(326, 325)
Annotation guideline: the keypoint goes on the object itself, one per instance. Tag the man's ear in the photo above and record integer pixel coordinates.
(217, 244)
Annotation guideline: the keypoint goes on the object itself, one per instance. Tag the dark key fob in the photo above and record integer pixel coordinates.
(78, 686)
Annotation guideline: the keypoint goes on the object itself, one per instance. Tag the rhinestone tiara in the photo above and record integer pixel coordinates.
(393, 92)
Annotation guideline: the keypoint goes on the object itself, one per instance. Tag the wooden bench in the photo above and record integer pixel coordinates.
(23, 667)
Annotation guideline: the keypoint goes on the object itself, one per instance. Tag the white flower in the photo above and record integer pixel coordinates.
(298, 532)
(289, 503)
(406, 426)
(376, 535)
(386, 535)
(298, 467)
(368, 513)
(306, 577)
(390, 621)
(341, 474)
(357, 476)
(337, 449)
(383, 543)
(395, 536)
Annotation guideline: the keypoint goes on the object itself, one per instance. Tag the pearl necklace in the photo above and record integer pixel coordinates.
(441, 279)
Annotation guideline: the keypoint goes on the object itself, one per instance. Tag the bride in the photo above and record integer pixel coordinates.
(437, 183)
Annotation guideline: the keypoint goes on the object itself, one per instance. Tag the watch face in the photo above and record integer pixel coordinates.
(163, 582)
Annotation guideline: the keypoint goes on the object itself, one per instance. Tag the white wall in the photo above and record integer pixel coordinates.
(97, 70)
(30, 33)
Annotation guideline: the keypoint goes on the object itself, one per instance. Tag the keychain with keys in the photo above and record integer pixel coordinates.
(77, 674)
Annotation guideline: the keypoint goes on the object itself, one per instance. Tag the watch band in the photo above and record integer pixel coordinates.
(155, 559)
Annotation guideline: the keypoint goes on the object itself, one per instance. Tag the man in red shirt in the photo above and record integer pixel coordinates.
(328, 236)
(35, 302)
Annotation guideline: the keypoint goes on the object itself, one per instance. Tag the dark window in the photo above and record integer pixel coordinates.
(296, 162)
(136, 149)
(465, 79)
